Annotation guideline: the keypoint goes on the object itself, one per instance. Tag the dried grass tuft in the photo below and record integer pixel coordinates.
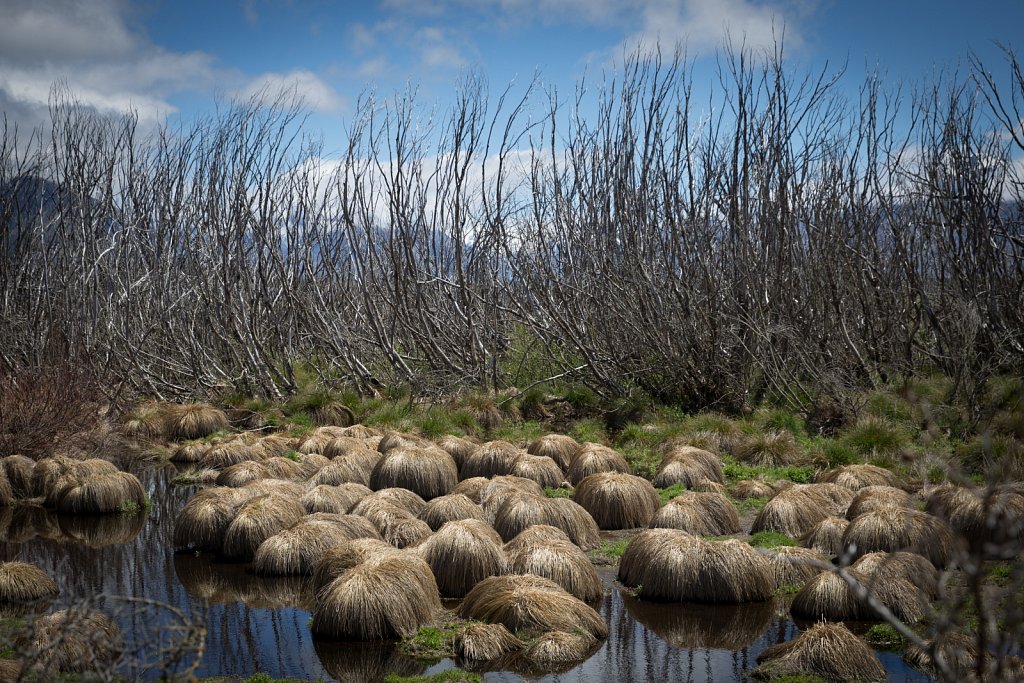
(429, 472)
(256, 521)
(891, 529)
(242, 473)
(461, 554)
(793, 511)
(559, 447)
(829, 651)
(471, 488)
(594, 458)
(701, 514)
(538, 534)
(539, 468)
(490, 459)
(873, 497)
(826, 536)
(339, 499)
(557, 648)
(856, 477)
(296, 550)
(193, 421)
(18, 469)
(22, 582)
(75, 641)
(558, 560)
(618, 501)
(396, 525)
(749, 488)
(497, 490)
(403, 498)
(450, 508)
(457, 447)
(485, 642)
(204, 520)
(344, 556)
(524, 511)
(688, 466)
(794, 566)
(104, 494)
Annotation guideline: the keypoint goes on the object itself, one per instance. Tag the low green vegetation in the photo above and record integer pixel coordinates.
(750, 505)
(736, 471)
(446, 676)
(668, 493)
(558, 493)
(432, 643)
(885, 637)
(770, 539)
(609, 552)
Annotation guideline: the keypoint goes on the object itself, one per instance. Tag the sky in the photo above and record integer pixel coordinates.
(177, 59)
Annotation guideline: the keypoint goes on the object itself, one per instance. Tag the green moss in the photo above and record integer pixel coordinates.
(432, 643)
(1000, 574)
(447, 676)
(558, 493)
(885, 637)
(770, 539)
(668, 493)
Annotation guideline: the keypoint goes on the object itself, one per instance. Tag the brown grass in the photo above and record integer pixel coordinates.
(539, 468)
(23, 582)
(829, 651)
(51, 477)
(556, 648)
(204, 520)
(256, 521)
(499, 489)
(701, 514)
(242, 473)
(527, 510)
(450, 508)
(18, 469)
(826, 536)
(987, 519)
(230, 453)
(345, 556)
(856, 477)
(317, 441)
(618, 501)
(594, 458)
(771, 449)
(340, 498)
(190, 452)
(892, 529)
(461, 554)
(490, 459)
(558, 560)
(457, 447)
(673, 566)
(559, 447)
(74, 640)
(873, 497)
(385, 597)
(537, 534)
(104, 494)
(523, 602)
(687, 465)
(403, 498)
(911, 567)
(827, 596)
(749, 488)
(296, 550)
(396, 525)
(341, 470)
(277, 486)
(471, 488)
(393, 440)
(429, 472)
(791, 511)
(193, 421)
(283, 468)
(485, 642)
(793, 566)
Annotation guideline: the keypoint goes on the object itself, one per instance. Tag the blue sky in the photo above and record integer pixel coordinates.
(178, 57)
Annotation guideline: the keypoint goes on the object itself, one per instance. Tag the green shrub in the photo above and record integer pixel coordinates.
(874, 436)
(776, 419)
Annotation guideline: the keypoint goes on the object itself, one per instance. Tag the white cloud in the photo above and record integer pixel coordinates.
(703, 25)
(308, 86)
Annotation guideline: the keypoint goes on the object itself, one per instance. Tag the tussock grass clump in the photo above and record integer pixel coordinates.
(826, 536)
(496, 491)
(959, 652)
(205, 518)
(523, 602)
(146, 422)
(51, 477)
(18, 469)
(892, 529)
(337, 446)
(538, 534)
(593, 458)
(988, 516)
(317, 441)
(911, 567)
(396, 525)
(23, 582)
(392, 440)
(230, 453)
(256, 521)
(491, 459)
(450, 508)
(538, 468)
(193, 421)
(342, 470)
(617, 501)
(339, 499)
(826, 650)
(701, 514)
(555, 559)
(429, 472)
(793, 566)
(403, 498)
(284, 468)
(828, 596)
(281, 487)
(791, 511)
(557, 648)
(559, 447)
(771, 449)
(526, 510)
(104, 494)
(6, 492)
(749, 488)
(461, 554)
(296, 550)
(344, 556)
(673, 566)
(457, 447)
(385, 597)
(471, 488)
(485, 642)
(688, 466)
(75, 641)
(856, 477)
(241, 474)
(874, 497)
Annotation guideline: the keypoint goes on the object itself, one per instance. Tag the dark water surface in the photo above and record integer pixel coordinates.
(260, 624)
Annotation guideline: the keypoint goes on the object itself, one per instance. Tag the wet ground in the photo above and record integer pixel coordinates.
(128, 567)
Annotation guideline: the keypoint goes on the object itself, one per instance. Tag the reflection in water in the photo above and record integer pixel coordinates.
(261, 624)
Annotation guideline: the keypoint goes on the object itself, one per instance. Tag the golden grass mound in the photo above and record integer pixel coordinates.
(617, 501)
(749, 488)
(428, 472)
(829, 651)
(856, 477)
(296, 550)
(523, 602)
(538, 468)
(990, 519)
(344, 556)
(892, 529)
(76, 641)
(256, 521)
(794, 566)
(490, 459)
(190, 452)
(873, 497)
(828, 596)
(701, 514)
(959, 652)
(457, 447)
(22, 582)
(557, 648)
(51, 477)
(339, 499)
(485, 643)
(826, 536)
(688, 466)
(284, 468)
(556, 559)
(18, 469)
(559, 447)
(594, 458)
(497, 490)
(230, 453)
(461, 554)
(386, 597)
(242, 473)
(205, 518)
(396, 525)
(403, 498)
(525, 511)
(193, 421)
(535, 535)
(341, 470)
(264, 487)
(771, 449)
(911, 567)
(673, 566)
(337, 446)
(393, 440)
(450, 508)
(791, 511)
(471, 488)
(318, 439)
(104, 494)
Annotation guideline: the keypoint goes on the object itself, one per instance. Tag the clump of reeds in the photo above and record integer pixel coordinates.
(396, 525)
(538, 468)
(104, 494)
(617, 501)
(826, 536)
(559, 447)
(523, 511)
(545, 554)
(873, 497)
(771, 449)
(701, 514)
(342, 470)
(791, 511)
(204, 519)
(242, 473)
(826, 650)
(193, 421)
(344, 556)
(296, 550)
(256, 521)
(534, 535)
(689, 466)
(794, 566)
(749, 488)
(856, 477)
(557, 648)
(890, 529)
(485, 642)
(403, 498)
(75, 641)
(340, 498)
(490, 459)
(23, 582)
(593, 458)
(523, 602)
(461, 554)
(429, 472)
(457, 447)
(386, 597)
(18, 469)
(450, 508)
(987, 518)
(497, 490)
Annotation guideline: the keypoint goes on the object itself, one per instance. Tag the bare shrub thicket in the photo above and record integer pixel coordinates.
(708, 243)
